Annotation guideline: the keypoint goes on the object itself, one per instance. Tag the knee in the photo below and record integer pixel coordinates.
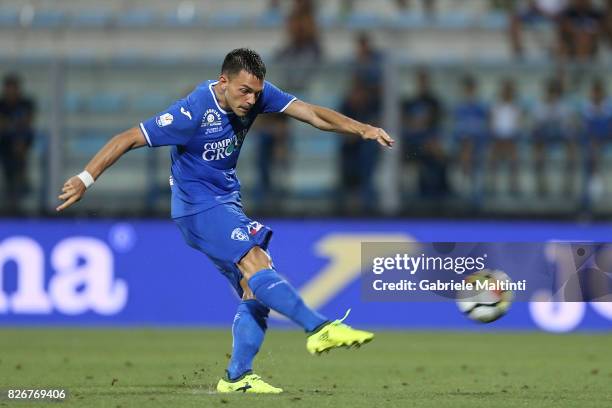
(254, 261)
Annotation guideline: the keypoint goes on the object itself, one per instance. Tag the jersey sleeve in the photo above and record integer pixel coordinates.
(173, 126)
(274, 100)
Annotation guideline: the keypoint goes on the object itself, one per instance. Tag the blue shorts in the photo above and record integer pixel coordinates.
(225, 234)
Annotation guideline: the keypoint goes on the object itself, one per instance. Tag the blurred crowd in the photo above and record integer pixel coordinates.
(459, 147)
(575, 30)
(482, 138)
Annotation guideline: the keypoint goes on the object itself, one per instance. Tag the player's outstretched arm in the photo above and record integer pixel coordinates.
(332, 121)
(74, 188)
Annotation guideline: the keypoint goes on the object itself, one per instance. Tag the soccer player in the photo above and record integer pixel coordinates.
(206, 130)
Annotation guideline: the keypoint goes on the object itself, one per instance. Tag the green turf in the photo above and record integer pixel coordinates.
(178, 368)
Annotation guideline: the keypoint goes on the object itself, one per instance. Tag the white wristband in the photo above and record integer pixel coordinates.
(86, 178)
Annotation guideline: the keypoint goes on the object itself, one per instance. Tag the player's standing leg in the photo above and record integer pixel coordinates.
(248, 331)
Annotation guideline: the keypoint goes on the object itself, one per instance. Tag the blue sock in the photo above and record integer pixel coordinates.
(276, 293)
(248, 333)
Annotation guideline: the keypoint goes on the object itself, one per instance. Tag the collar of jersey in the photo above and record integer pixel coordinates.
(215, 98)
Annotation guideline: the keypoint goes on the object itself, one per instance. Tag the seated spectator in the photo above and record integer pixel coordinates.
(554, 123)
(470, 128)
(16, 137)
(506, 125)
(421, 117)
(597, 121)
(532, 13)
(582, 25)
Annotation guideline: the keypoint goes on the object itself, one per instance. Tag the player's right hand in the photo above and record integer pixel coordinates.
(72, 191)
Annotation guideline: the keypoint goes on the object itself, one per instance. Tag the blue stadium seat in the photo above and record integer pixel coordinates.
(98, 18)
(182, 16)
(73, 102)
(150, 103)
(49, 18)
(270, 18)
(136, 19)
(409, 20)
(494, 21)
(87, 141)
(364, 21)
(106, 103)
(9, 17)
(226, 20)
(454, 21)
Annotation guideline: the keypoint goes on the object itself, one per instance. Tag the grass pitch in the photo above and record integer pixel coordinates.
(179, 368)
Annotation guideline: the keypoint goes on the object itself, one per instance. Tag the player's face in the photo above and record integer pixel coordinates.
(241, 91)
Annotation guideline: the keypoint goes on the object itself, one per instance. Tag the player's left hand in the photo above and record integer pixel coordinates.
(378, 134)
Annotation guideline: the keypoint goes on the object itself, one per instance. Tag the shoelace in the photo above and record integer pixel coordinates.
(339, 322)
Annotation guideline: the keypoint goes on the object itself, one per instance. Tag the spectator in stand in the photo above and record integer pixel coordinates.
(597, 122)
(363, 100)
(554, 123)
(302, 51)
(357, 159)
(533, 13)
(368, 66)
(299, 58)
(581, 28)
(273, 144)
(506, 125)
(16, 137)
(471, 131)
(421, 117)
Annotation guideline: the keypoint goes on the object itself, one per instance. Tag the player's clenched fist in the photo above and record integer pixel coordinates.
(72, 191)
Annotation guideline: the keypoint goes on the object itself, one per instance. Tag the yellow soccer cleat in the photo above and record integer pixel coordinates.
(336, 334)
(251, 383)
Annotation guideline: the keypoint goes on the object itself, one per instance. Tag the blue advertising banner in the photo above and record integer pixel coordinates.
(140, 272)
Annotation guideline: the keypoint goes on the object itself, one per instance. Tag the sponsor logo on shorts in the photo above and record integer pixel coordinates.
(238, 234)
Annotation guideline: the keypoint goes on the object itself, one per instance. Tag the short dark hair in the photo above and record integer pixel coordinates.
(243, 59)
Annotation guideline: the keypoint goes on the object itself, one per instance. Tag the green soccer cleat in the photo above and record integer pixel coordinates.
(336, 334)
(247, 383)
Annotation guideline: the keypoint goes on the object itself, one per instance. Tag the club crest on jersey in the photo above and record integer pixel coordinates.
(254, 227)
(211, 118)
(164, 120)
(238, 234)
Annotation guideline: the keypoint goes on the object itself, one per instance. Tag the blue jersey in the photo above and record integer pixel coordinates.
(206, 142)
(598, 119)
(471, 119)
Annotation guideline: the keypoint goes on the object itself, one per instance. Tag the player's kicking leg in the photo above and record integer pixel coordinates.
(275, 292)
